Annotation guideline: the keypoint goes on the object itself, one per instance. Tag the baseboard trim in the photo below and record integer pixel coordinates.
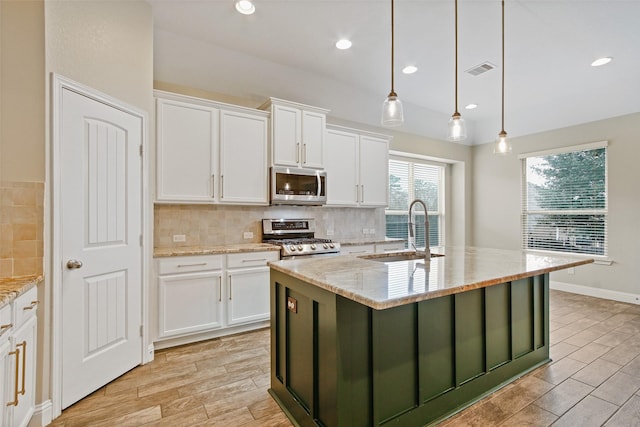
(595, 292)
(42, 414)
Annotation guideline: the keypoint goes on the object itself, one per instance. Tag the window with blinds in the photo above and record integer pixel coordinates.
(410, 180)
(564, 200)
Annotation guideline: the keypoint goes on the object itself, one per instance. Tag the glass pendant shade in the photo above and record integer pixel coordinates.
(392, 114)
(457, 128)
(502, 145)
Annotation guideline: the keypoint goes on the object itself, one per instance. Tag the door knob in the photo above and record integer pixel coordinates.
(73, 264)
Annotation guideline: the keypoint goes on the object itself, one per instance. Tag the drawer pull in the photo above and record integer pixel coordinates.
(32, 306)
(4, 328)
(254, 260)
(14, 402)
(220, 289)
(191, 265)
(357, 252)
(392, 250)
(23, 344)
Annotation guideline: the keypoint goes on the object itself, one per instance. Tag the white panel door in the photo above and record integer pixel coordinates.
(187, 158)
(341, 164)
(313, 128)
(243, 154)
(100, 228)
(374, 166)
(248, 295)
(286, 136)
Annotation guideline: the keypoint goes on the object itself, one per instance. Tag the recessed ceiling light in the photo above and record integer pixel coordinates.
(601, 61)
(343, 44)
(245, 7)
(410, 69)
(471, 106)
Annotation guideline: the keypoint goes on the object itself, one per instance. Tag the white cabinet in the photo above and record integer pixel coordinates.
(210, 152)
(389, 247)
(297, 134)
(190, 294)
(19, 361)
(7, 375)
(212, 293)
(357, 249)
(243, 158)
(357, 167)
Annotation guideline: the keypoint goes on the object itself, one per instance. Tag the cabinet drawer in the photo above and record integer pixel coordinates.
(251, 259)
(25, 306)
(188, 264)
(5, 319)
(357, 250)
(389, 247)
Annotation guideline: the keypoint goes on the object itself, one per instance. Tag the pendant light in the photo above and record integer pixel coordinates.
(502, 145)
(392, 114)
(457, 128)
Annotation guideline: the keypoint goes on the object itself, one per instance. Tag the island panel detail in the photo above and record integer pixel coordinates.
(336, 362)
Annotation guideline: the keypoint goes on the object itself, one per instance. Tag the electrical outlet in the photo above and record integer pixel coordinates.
(329, 231)
(365, 231)
(571, 270)
(247, 235)
(372, 231)
(179, 238)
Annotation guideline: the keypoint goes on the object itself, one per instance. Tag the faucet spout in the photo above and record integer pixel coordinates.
(427, 251)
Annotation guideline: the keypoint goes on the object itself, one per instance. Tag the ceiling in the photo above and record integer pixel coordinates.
(286, 50)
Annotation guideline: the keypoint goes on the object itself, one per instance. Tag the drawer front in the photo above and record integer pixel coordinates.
(390, 247)
(189, 264)
(252, 259)
(357, 250)
(25, 306)
(5, 319)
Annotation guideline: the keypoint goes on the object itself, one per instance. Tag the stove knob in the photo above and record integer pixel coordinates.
(300, 247)
(324, 245)
(331, 245)
(292, 248)
(313, 247)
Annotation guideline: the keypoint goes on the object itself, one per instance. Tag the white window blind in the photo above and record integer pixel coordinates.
(410, 180)
(564, 200)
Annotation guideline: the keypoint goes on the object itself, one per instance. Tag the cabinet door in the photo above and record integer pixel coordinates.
(286, 135)
(186, 159)
(374, 166)
(313, 129)
(248, 295)
(243, 153)
(189, 303)
(24, 339)
(7, 378)
(340, 161)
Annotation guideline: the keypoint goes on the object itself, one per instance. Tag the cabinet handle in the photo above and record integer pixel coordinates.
(304, 154)
(297, 152)
(254, 260)
(362, 191)
(213, 186)
(229, 287)
(221, 186)
(357, 194)
(15, 390)
(357, 252)
(23, 344)
(5, 328)
(219, 288)
(392, 250)
(32, 306)
(191, 265)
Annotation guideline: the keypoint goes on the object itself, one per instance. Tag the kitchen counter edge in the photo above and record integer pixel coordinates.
(12, 287)
(214, 250)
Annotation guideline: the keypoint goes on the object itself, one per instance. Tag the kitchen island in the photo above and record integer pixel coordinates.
(356, 341)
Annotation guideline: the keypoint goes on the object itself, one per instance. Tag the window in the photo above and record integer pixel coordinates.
(564, 200)
(411, 179)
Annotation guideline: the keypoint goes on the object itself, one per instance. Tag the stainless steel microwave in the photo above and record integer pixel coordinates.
(298, 186)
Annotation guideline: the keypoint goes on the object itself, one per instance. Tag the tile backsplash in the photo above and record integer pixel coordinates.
(21, 228)
(210, 225)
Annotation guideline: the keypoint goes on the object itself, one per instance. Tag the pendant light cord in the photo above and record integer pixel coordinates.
(393, 92)
(502, 131)
(456, 38)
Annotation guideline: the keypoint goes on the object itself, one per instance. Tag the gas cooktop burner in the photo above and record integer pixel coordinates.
(296, 238)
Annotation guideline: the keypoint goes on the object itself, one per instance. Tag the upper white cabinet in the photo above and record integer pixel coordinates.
(210, 152)
(297, 134)
(357, 165)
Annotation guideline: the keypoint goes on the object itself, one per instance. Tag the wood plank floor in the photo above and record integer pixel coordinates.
(594, 380)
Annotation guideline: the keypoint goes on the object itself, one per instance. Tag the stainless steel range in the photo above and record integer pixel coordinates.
(296, 238)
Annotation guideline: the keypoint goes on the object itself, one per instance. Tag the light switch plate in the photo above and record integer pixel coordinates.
(247, 235)
(179, 238)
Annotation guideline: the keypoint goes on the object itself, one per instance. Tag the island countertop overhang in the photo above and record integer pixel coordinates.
(382, 285)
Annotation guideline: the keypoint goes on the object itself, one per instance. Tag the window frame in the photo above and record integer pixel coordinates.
(442, 176)
(524, 194)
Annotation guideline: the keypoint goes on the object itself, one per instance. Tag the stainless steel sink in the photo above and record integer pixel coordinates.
(397, 256)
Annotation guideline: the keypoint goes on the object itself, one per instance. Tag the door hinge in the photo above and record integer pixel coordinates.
(141, 329)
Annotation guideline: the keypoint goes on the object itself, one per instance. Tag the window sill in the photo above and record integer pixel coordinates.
(598, 259)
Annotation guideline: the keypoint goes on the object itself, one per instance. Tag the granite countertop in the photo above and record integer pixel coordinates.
(214, 250)
(371, 241)
(13, 287)
(382, 285)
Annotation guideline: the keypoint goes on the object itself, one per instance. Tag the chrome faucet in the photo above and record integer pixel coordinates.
(412, 239)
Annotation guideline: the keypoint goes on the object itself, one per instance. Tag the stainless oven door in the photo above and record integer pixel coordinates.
(296, 186)
(309, 256)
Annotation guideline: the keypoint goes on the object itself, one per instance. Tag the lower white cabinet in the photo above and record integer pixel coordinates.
(212, 293)
(18, 359)
(357, 249)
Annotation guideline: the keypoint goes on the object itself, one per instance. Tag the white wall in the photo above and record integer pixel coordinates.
(496, 200)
